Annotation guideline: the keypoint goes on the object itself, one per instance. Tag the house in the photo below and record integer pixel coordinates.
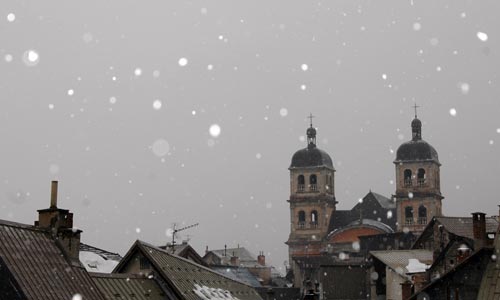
(235, 259)
(490, 283)
(392, 270)
(181, 278)
(462, 281)
(41, 262)
(452, 239)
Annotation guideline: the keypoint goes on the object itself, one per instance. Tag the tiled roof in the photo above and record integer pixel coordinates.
(237, 273)
(399, 259)
(127, 287)
(462, 226)
(186, 276)
(39, 266)
(384, 202)
(490, 284)
(241, 252)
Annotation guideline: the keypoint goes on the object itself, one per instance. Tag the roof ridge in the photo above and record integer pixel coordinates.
(22, 225)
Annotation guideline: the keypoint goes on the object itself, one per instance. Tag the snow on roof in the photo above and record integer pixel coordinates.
(415, 266)
(95, 263)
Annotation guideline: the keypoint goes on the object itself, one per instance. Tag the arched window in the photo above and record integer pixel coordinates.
(408, 215)
(313, 182)
(301, 183)
(302, 219)
(314, 219)
(422, 215)
(421, 177)
(407, 177)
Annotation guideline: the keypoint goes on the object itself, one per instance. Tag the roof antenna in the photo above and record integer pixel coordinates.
(174, 234)
(311, 119)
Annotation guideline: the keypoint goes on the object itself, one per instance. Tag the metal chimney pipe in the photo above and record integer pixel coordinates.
(53, 195)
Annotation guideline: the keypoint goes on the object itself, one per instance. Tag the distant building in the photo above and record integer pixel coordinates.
(323, 237)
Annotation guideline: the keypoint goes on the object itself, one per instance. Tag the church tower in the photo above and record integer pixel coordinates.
(418, 193)
(312, 201)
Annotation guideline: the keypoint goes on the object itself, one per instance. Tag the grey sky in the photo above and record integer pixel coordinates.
(367, 62)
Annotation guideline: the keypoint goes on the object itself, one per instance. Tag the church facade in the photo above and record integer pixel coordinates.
(321, 235)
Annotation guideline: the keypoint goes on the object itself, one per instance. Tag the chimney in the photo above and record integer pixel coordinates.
(59, 222)
(261, 259)
(53, 195)
(235, 260)
(206, 250)
(479, 229)
(406, 290)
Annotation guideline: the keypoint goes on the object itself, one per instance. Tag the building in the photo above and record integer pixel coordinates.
(41, 262)
(180, 278)
(318, 229)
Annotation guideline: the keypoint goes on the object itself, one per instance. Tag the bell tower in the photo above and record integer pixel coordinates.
(312, 200)
(418, 192)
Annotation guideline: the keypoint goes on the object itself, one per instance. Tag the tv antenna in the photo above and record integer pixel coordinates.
(174, 233)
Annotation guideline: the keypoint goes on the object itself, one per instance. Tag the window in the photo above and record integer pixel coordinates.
(408, 215)
(314, 219)
(313, 182)
(300, 183)
(422, 215)
(421, 177)
(302, 219)
(407, 178)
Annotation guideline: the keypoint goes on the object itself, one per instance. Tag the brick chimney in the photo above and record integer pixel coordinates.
(479, 229)
(60, 224)
(235, 260)
(261, 259)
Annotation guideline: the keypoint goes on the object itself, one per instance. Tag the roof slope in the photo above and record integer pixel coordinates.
(240, 274)
(39, 266)
(490, 284)
(398, 260)
(246, 258)
(187, 277)
(127, 287)
(462, 226)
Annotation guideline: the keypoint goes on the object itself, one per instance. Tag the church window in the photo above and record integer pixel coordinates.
(313, 182)
(302, 219)
(421, 177)
(314, 219)
(422, 215)
(407, 178)
(300, 183)
(408, 215)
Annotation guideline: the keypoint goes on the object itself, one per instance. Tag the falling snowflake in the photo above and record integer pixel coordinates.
(11, 17)
(384, 76)
(137, 72)
(283, 112)
(303, 87)
(183, 61)
(483, 37)
(71, 92)
(453, 112)
(77, 297)
(214, 130)
(31, 58)
(8, 58)
(160, 147)
(112, 100)
(304, 67)
(157, 104)
(464, 87)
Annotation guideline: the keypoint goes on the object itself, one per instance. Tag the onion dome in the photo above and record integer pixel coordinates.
(416, 149)
(311, 156)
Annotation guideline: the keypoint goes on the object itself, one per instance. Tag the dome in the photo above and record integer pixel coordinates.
(311, 157)
(416, 150)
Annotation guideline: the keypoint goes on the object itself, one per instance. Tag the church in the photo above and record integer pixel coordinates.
(322, 237)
